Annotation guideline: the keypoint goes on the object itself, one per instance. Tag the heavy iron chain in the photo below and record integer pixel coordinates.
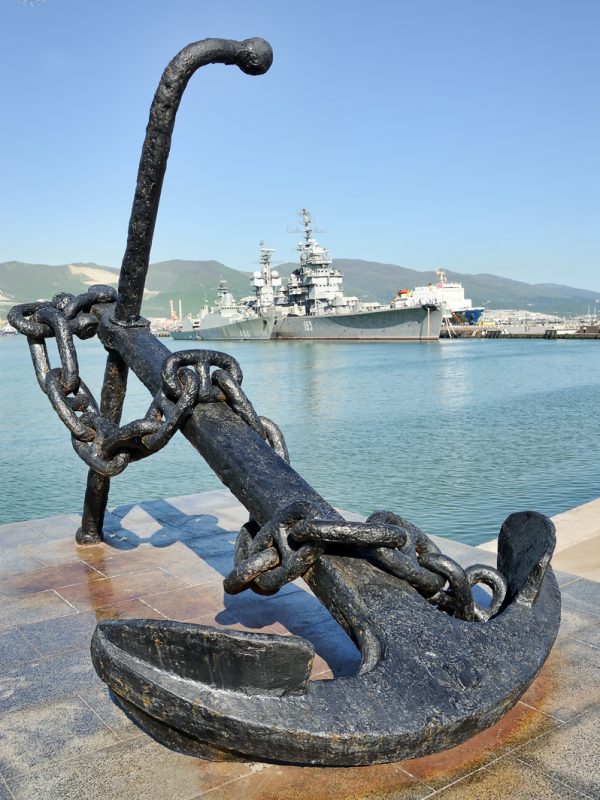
(288, 545)
(106, 447)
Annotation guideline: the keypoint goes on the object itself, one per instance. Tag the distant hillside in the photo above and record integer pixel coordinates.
(193, 282)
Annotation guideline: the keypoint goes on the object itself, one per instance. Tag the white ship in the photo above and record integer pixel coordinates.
(449, 294)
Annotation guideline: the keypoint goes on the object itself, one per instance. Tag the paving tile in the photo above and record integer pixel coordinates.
(59, 551)
(136, 517)
(129, 771)
(111, 561)
(74, 632)
(48, 733)
(123, 538)
(296, 610)
(189, 602)
(218, 501)
(508, 779)
(13, 563)
(568, 683)
(33, 608)
(589, 636)
(99, 699)
(570, 754)
(14, 649)
(214, 545)
(46, 680)
(581, 557)
(573, 623)
(110, 591)
(45, 578)
(514, 729)
(564, 578)
(190, 541)
(18, 533)
(335, 653)
(274, 782)
(195, 570)
(206, 525)
(5, 793)
(59, 527)
(583, 595)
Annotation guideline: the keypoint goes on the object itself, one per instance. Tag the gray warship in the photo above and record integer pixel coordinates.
(312, 305)
(227, 320)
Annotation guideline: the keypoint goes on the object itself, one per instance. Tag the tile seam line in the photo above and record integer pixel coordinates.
(151, 607)
(106, 725)
(124, 600)
(464, 777)
(558, 720)
(535, 768)
(104, 576)
(588, 644)
(17, 628)
(46, 564)
(189, 585)
(565, 602)
(225, 783)
(145, 602)
(7, 787)
(508, 754)
(64, 599)
(73, 757)
(65, 585)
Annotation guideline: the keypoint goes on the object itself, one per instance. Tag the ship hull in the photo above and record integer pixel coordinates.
(249, 329)
(410, 324)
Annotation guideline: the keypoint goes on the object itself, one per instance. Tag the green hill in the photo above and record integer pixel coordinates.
(194, 282)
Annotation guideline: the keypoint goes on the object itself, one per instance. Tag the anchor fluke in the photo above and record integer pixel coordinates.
(253, 663)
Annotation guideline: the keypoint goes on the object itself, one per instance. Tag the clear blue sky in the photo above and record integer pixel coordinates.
(455, 133)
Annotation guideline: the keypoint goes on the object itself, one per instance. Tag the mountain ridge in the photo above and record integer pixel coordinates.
(195, 282)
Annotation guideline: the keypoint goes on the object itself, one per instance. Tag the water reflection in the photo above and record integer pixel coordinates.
(453, 435)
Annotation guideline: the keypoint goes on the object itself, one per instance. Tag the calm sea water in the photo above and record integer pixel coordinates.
(453, 435)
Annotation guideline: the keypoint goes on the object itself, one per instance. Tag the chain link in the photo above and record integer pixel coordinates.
(287, 546)
(105, 446)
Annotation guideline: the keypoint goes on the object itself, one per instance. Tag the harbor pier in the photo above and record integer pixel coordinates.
(64, 738)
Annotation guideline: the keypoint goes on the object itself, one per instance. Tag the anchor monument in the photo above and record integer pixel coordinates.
(436, 668)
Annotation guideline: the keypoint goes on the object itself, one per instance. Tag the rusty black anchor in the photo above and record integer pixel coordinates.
(436, 666)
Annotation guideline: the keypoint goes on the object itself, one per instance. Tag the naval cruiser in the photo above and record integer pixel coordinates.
(312, 305)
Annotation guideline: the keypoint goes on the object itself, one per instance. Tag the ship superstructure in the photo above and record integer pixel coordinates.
(315, 286)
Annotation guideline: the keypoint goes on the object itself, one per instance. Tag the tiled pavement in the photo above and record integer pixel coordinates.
(62, 738)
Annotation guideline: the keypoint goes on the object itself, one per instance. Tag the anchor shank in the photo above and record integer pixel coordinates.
(246, 464)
